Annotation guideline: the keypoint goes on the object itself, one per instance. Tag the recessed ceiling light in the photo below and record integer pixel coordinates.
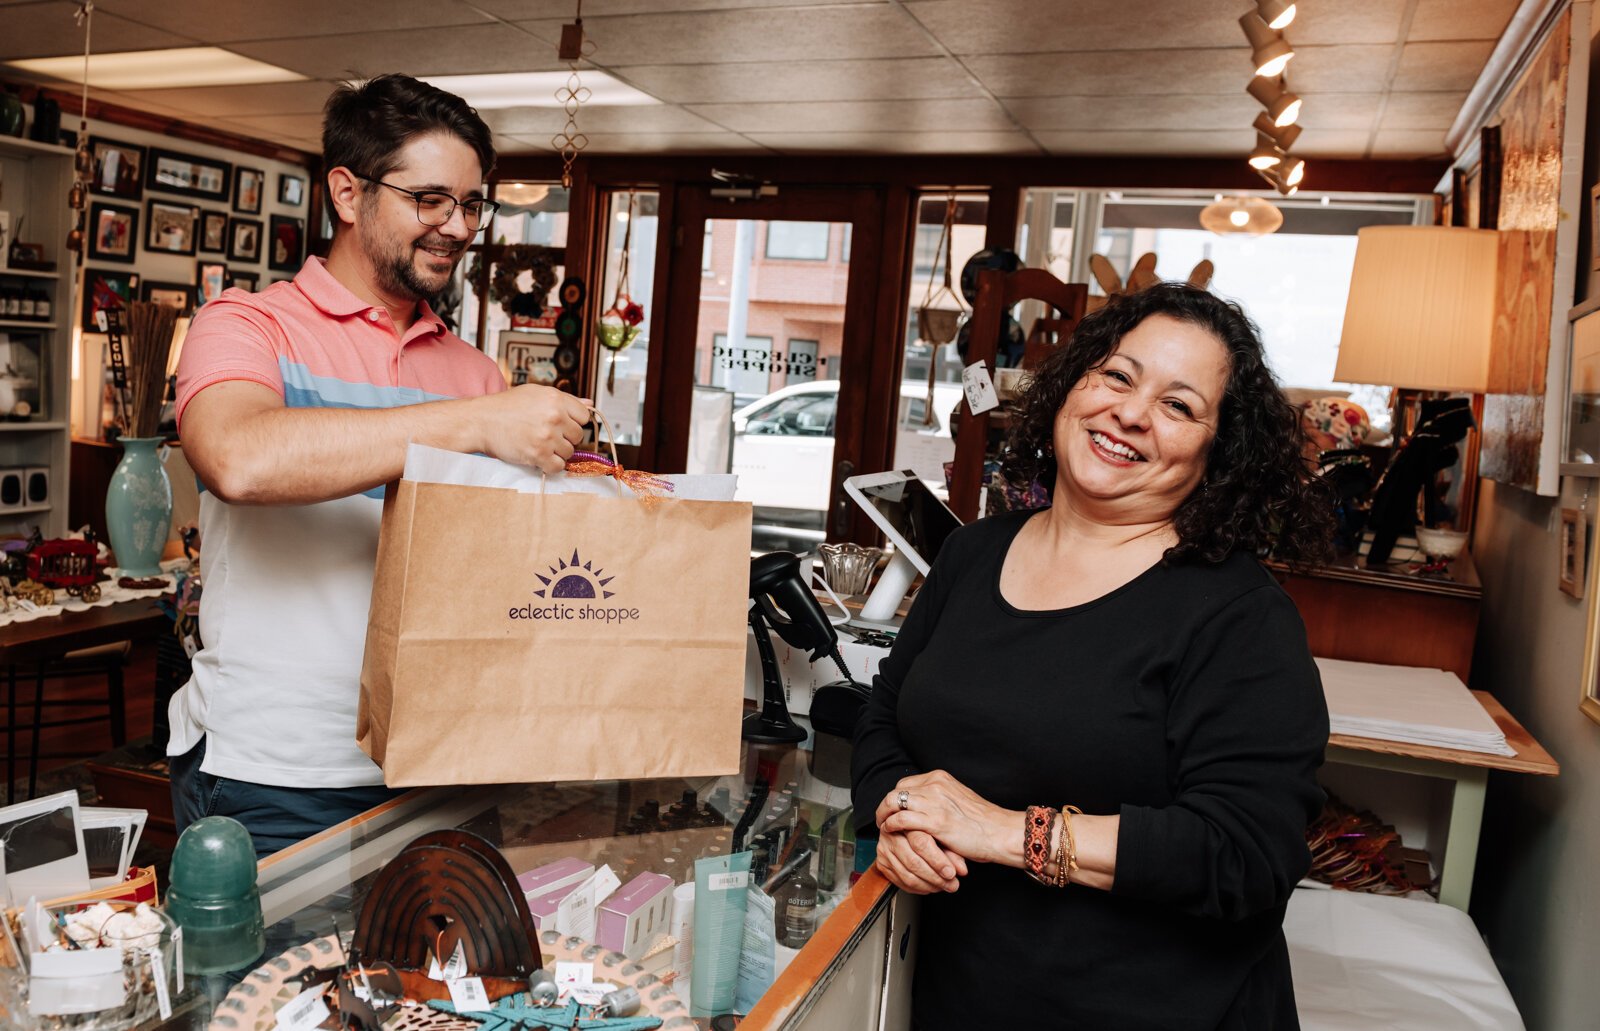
(161, 69)
(538, 89)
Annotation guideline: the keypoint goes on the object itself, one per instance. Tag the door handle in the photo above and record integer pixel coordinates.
(841, 500)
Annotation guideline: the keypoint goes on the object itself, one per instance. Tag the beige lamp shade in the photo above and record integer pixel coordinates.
(1421, 308)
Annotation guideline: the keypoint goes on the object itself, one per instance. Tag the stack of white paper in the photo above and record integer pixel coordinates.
(1401, 703)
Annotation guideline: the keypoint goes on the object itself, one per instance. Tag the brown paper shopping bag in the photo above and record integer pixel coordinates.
(524, 637)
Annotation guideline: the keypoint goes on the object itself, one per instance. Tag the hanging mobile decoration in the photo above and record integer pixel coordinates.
(620, 324)
(83, 161)
(569, 142)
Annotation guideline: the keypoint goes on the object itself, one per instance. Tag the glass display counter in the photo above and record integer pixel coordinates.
(836, 977)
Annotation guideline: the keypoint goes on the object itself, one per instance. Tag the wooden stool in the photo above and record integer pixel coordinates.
(104, 660)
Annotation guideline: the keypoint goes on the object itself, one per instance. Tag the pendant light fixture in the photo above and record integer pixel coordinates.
(83, 163)
(1282, 105)
(1276, 13)
(1279, 179)
(1268, 49)
(1241, 216)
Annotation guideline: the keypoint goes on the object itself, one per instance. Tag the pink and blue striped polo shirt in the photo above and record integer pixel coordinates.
(287, 587)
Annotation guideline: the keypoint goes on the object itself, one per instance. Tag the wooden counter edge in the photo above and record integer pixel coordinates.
(1530, 758)
(808, 968)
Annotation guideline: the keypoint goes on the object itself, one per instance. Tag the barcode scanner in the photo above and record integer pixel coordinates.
(784, 602)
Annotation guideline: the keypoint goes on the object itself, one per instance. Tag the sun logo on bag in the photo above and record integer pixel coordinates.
(575, 579)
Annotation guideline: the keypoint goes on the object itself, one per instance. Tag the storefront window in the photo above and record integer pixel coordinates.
(620, 380)
(798, 241)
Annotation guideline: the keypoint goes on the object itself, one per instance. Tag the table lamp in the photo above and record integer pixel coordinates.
(1420, 316)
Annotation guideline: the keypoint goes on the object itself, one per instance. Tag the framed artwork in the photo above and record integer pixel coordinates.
(247, 189)
(167, 171)
(113, 232)
(22, 377)
(249, 281)
(529, 357)
(173, 295)
(210, 279)
(170, 227)
(291, 189)
(118, 168)
(244, 240)
(213, 231)
(104, 289)
(285, 243)
(1572, 551)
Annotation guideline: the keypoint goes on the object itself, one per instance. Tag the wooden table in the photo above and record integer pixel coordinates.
(1468, 771)
(39, 642)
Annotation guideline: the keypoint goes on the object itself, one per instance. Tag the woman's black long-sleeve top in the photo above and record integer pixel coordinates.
(1187, 703)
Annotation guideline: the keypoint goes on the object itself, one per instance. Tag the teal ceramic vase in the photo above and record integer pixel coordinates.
(139, 507)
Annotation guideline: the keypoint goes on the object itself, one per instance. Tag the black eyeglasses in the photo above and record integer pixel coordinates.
(435, 207)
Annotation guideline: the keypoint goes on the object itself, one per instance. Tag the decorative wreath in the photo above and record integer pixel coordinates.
(514, 260)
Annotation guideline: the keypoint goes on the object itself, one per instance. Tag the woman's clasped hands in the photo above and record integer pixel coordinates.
(929, 826)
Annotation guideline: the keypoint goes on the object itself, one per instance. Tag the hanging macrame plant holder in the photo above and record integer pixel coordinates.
(621, 324)
(939, 317)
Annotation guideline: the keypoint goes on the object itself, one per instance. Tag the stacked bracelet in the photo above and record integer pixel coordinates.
(1037, 826)
(1067, 854)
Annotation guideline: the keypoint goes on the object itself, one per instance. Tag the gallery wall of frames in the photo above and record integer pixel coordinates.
(178, 222)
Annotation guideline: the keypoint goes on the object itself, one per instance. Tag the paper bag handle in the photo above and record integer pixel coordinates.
(645, 485)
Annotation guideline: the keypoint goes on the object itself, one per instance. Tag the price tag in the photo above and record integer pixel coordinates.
(177, 958)
(572, 976)
(467, 994)
(304, 1012)
(158, 974)
(728, 881)
(981, 396)
(190, 645)
(457, 967)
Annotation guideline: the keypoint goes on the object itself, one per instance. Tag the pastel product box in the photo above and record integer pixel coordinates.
(543, 907)
(563, 873)
(636, 914)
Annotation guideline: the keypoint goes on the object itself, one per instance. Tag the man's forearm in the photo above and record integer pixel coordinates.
(291, 456)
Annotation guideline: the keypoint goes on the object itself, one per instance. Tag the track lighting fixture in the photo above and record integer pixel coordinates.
(1276, 13)
(1266, 153)
(1278, 182)
(1269, 50)
(1284, 138)
(1282, 105)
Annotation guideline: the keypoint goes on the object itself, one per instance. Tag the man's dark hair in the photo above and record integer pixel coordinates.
(1258, 492)
(364, 126)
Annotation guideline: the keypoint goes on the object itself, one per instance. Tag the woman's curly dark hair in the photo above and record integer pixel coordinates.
(1258, 492)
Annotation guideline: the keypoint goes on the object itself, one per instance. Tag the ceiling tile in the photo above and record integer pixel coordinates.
(1461, 19)
(1408, 143)
(1027, 26)
(888, 116)
(299, 126)
(1085, 73)
(1186, 143)
(1320, 23)
(1441, 66)
(1332, 143)
(1356, 68)
(267, 98)
(231, 21)
(1338, 110)
(48, 30)
(463, 49)
(638, 143)
(897, 142)
(1172, 112)
(913, 78)
(1421, 110)
(750, 35)
(516, 10)
(546, 121)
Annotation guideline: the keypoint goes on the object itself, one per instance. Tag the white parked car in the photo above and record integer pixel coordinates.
(783, 445)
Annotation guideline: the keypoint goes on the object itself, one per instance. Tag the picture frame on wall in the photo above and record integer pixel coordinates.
(1572, 551)
(170, 227)
(244, 240)
(291, 189)
(178, 296)
(247, 281)
(23, 371)
(210, 279)
(286, 243)
(118, 168)
(248, 185)
(113, 232)
(214, 232)
(167, 171)
(528, 357)
(105, 288)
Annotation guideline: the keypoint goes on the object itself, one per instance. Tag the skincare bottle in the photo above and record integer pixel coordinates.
(797, 901)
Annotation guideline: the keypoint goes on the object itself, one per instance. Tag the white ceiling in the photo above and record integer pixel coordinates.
(1380, 78)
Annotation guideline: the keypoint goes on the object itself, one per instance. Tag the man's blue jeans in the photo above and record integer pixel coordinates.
(275, 817)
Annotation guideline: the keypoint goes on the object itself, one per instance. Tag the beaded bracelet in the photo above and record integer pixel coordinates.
(1036, 840)
(1067, 857)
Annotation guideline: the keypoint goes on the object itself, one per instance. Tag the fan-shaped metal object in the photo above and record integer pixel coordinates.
(1251, 216)
(444, 888)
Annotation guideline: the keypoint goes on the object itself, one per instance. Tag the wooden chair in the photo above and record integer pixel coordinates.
(997, 293)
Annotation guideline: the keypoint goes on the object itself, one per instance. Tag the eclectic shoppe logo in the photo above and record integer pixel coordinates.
(574, 581)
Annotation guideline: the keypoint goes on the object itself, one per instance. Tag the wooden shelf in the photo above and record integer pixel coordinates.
(16, 145)
(28, 273)
(30, 427)
(24, 510)
(25, 324)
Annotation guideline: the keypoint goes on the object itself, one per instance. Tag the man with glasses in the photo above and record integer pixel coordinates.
(295, 407)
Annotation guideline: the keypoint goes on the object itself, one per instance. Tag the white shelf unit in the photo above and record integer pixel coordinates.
(37, 178)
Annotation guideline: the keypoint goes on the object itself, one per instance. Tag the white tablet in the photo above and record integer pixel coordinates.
(916, 523)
